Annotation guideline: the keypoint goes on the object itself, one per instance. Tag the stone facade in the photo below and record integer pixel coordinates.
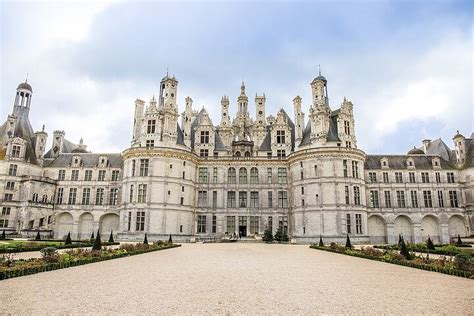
(198, 180)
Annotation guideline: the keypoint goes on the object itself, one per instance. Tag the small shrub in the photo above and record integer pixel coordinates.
(267, 235)
(111, 237)
(50, 254)
(38, 236)
(145, 240)
(278, 235)
(459, 241)
(3, 237)
(392, 256)
(463, 261)
(321, 244)
(404, 250)
(430, 244)
(97, 242)
(7, 260)
(68, 239)
(369, 251)
(348, 242)
(170, 240)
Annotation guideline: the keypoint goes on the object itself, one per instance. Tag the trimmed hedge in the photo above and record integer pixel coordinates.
(55, 266)
(59, 246)
(436, 251)
(459, 273)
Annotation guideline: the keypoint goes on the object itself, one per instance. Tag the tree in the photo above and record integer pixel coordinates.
(400, 239)
(284, 236)
(97, 242)
(145, 241)
(429, 244)
(3, 235)
(267, 235)
(404, 250)
(38, 236)
(321, 244)
(68, 239)
(92, 236)
(111, 237)
(348, 242)
(459, 241)
(170, 240)
(278, 235)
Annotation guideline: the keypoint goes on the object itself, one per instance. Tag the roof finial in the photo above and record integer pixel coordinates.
(319, 66)
(166, 71)
(26, 80)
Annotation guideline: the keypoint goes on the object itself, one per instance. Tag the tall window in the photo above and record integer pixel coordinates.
(281, 137)
(88, 175)
(425, 178)
(204, 137)
(130, 198)
(281, 153)
(140, 221)
(61, 175)
(283, 223)
(231, 175)
(344, 168)
(214, 175)
(356, 195)
(75, 175)
(270, 223)
(16, 151)
(401, 198)
(440, 199)
(214, 224)
(453, 199)
(282, 176)
(59, 196)
(12, 170)
(151, 126)
(358, 223)
(450, 176)
(142, 188)
(243, 175)
(347, 128)
(230, 224)
(202, 175)
(231, 199)
(374, 198)
(427, 199)
(99, 196)
(201, 224)
(355, 169)
(6, 211)
(269, 175)
(388, 199)
(254, 224)
(113, 195)
(348, 223)
(10, 185)
(3, 222)
(254, 175)
(254, 199)
(372, 177)
(398, 177)
(144, 167)
(72, 196)
(282, 199)
(129, 222)
(270, 199)
(101, 176)
(115, 175)
(202, 198)
(214, 199)
(347, 194)
(414, 198)
(438, 177)
(242, 199)
(134, 165)
(411, 176)
(86, 196)
(385, 177)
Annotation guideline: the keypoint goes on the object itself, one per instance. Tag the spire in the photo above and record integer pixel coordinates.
(242, 89)
(26, 80)
(319, 66)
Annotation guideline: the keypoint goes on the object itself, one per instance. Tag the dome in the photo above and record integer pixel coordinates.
(25, 86)
(416, 151)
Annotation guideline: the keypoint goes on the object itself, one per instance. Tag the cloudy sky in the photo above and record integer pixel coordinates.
(407, 66)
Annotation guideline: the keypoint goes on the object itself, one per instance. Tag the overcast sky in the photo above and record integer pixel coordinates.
(407, 66)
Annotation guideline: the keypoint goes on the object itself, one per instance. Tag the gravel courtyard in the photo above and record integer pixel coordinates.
(238, 278)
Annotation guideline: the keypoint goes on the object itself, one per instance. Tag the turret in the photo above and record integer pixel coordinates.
(40, 146)
(319, 111)
(138, 119)
(58, 140)
(460, 148)
(225, 127)
(242, 101)
(22, 102)
(260, 130)
(186, 121)
(169, 109)
(346, 124)
(299, 119)
(319, 91)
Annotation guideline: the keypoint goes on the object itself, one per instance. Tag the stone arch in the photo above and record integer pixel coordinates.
(64, 224)
(377, 229)
(430, 227)
(457, 226)
(404, 226)
(86, 225)
(108, 222)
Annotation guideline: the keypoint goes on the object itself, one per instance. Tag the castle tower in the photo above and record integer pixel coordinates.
(260, 125)
(299, 120)
(225, 128)
(58, 140)
(169, 109)
(319, 111)
(40, 146)
(186, 121)
(22, 102)
(138, 120)
(242, 101)
(460, 148)
(346, 125)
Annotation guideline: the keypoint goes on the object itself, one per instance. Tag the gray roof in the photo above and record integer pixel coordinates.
(438, 147)
(180, 140)
(89, 160)
(219, 145)
(24, 85)
(67, 147)
(332, 131)
(400, 162)
(194, 124)
(267, 141)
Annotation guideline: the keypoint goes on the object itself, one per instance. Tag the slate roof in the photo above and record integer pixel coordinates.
(67, 147)
(438, 147)
(89, 160)
(400, 162)
(332, 132)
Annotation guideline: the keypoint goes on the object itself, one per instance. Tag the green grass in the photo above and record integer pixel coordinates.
(23, 243)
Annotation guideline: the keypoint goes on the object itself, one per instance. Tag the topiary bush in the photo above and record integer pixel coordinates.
(68, 239)
(267, 235)
(3, 237)
(92, 236)
(459, 241)
(404, 250)
(321, 244)
(170, 240)
(111, 237)
(38, 236)
(145, 240)
(278, 235)
(97, 242)
(430, 244)
(348, 242)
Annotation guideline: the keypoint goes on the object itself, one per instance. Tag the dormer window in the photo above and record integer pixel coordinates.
(384, 163)
(76, 161)
(151, 126)
(281, 137)
(347, 128)
(16, 149)
(410, 163)
(204, 137)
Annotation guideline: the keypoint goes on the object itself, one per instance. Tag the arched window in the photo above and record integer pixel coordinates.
(243, 175)
(254, 175)
(247, 154)
(237, 154)
(44, 199)
(35, 197)
(231, 175)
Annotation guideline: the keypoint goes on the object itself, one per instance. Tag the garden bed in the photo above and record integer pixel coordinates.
(446, 250)
(442, 265)
(24, 246)
(52, 260)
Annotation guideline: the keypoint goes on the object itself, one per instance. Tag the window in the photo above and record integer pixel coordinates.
(214, 199)
(214, 175)
(281, 153)
(440, 199)
(270, 199)
(401, 198)
(202, 175)
(302, 190)
(10, 185)
(231, 176)
(150, 143)
(61, 175)
(388, 199)
(113, 195)
(181, 201)
(254, 175)
(427, 199)
(8, 197)
(254, 225)
(374, 198)
(358, 223)
(270, 223)
(414, 198)
(385, 177)
(453, 199)
(372, 177)
(243, 176)
(142, 188)
(316, 171)
(101, 176)
(204, 153)
(346, 191)
(115, 175)
(72, 196)
(86, 196)
(425, 178)
(6, 211)
(35, 197)
(283, 224)
(144, 167)
(140, 221)
(133, 167)
(12, 170)
(3, 222)
(344, 168)
(99, 196)
(231, 199)
(201, 224)
(356, 195)
(230, 224)
(129, 222)
(281, 137)
(347, 128)
(438, 177)
(398, 177)
(348, 144)
(16, 151)
(348, 223)
(214, 224)
(202, 198)
(282, 176)
(87, 175)
(254, 199)
(44, 199)
(282, 199)
(130, 198)
(204, 137)
(411, 177)
(269, 175)
(242, 199)
(151, 126)
(75, 175)
(450, 176)
(59, 196)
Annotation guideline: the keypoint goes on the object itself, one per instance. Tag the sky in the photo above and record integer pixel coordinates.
(407, 66)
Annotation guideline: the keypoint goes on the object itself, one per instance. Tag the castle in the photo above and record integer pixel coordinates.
(196, 180)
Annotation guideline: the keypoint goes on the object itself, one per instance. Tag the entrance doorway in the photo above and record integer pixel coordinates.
(243, 231)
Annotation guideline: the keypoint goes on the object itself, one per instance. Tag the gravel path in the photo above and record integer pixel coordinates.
(238, 279)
